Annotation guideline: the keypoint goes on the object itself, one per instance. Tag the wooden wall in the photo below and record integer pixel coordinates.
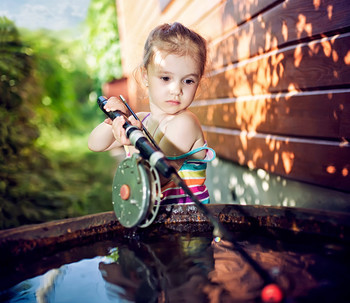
(277, 96)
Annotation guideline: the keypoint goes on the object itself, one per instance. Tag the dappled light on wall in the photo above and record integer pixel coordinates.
(278, 91)
(277, 88)
(288, 159)
(331, 169)
(302, 27)
(347, 58)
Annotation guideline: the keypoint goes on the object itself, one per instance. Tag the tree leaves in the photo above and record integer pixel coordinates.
(46, 170)
(102, 41)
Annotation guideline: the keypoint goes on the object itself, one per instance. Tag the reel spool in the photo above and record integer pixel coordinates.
(136, 192)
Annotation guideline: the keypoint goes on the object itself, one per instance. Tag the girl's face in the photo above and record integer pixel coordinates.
(172, 82)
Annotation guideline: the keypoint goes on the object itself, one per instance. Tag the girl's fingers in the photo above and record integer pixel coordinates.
(114, 104)
(119, 131)
(108, 121)
(135, 122)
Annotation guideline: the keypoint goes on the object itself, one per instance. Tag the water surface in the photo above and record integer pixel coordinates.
(180, 267)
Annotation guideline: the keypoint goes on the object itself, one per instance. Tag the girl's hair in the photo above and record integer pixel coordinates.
(176, 39)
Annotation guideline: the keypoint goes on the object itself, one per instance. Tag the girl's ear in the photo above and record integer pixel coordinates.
(144, 76)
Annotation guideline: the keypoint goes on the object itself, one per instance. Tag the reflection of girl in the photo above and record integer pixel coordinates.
(129, 279)
(173, 65)
(159, 272)
(232, 279)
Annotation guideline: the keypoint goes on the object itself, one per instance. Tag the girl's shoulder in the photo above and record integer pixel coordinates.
(184, 125)
(184, 120)
(185, 133)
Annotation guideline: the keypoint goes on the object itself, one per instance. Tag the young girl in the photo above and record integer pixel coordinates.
(173, 65)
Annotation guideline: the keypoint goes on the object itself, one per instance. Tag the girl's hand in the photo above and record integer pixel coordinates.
(108, 121)
(118, 130)
(114, 104)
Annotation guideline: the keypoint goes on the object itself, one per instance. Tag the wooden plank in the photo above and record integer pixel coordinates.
(287, 23)
(148, 11)
(136, 23)
(186, 12)
(295, 114)
(192, 14)
(174, 11)
(319, 162)
(319, 64)
(229, 15)
(130, 20)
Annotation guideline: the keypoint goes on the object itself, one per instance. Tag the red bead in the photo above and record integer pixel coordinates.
(271, 293)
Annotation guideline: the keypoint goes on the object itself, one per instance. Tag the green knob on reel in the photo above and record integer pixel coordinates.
(136, 192)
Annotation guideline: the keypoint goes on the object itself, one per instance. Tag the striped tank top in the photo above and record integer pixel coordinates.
(193, 172)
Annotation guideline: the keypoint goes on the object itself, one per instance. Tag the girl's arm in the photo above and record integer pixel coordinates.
(102, 138)
(111, 134)
(182, 134)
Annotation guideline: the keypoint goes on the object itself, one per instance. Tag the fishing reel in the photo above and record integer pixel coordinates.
(136, 192)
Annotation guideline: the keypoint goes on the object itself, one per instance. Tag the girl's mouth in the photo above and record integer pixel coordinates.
(173, 102)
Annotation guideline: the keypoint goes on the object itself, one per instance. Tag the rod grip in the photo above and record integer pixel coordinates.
(101, 101)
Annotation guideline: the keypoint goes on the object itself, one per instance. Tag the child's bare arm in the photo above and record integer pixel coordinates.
(111, 134)
(182, 134)
(102, 138)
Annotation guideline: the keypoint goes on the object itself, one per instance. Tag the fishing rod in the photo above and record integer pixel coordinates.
(157, 159)
(137, 118)
(140, 141)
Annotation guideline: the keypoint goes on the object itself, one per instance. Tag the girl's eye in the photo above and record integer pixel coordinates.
(189, 81)
(165, 78)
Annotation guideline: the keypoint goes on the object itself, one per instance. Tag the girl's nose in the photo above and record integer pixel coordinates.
(176, 89)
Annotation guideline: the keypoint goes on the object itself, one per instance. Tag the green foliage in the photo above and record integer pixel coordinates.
(47, 109)
(102, 41)
(60, 73)
(113, 255)
(15, 64)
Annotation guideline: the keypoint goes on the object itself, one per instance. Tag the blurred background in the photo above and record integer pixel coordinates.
(54, 56)
(274, 103)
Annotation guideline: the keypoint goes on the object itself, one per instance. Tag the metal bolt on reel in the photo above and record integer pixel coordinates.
(136, 192)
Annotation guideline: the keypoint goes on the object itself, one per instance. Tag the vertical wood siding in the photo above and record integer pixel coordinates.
(277, 95)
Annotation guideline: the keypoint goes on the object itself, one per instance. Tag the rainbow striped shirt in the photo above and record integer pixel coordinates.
(193, 172)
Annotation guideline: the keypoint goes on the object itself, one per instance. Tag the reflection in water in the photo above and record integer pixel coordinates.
(177, 268)
(47, 285)
(200, 270)
(232, 277)
(128, 278)
(174, 271)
